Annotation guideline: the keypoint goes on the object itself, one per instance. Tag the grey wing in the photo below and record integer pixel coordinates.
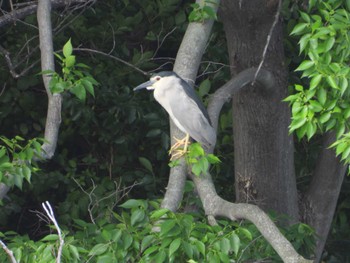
(193, 118)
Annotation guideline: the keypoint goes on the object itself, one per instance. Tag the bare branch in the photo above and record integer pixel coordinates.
(48, 209)
(112, 57)
(8, 252)
(94, 202)
(21, 13)
(53, 119)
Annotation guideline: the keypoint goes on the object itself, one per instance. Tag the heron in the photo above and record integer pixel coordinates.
(184, 107)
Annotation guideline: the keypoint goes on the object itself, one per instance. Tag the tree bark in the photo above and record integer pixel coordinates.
(263, 150)
(53, 118)
(321, 199)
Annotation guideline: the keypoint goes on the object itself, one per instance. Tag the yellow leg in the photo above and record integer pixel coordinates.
(175, 152)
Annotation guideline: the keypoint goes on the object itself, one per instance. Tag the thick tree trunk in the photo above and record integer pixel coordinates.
(321, 199)
(264, 162)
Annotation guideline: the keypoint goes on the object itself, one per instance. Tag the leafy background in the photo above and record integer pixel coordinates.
(114, 145)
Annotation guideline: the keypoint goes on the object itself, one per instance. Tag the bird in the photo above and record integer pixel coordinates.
(184, 107)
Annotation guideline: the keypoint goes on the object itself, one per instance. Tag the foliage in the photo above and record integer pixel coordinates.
(197, 159)
(203, 11)
(16, 159)
(142, 232)
(75, 78)
(322, 103)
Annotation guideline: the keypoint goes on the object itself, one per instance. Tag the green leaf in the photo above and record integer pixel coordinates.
(51, 237)
(98, 249)
(200, 246)
(18, 179)
(150, 250)
(57, 87)
(210, 11)
(297, 123)
(299, 28)
(235, 243)
(159, 213)
(346, 113)
(146, 163)
(204, 88)
(160, 257)
(204, 164)
(167, 225)
(88, 86)
(79, 91)
(315, 106)
(246, 233)
(68, 49)
(174, 246)
(196, 169)
(187, 248)
(131, 203)
(127, 240)
(345, 153)
(74, 251)
(311, 129)
(137, 216)
(213, 159)
(322, 95)
(331, 123)
(108, 258)
(325, 117)
(331, 81)
(306, 64)
(343, 85)
(304, 40)
(305, 17)
(70, 61)
(225, 245)
(146, 241)
(315, 81)
(341, 147)
(340, 130)
(27, 173)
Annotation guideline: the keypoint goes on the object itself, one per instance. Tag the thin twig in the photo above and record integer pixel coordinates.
(8, 252)
(48, 209)
(112, 57)
(268, 39)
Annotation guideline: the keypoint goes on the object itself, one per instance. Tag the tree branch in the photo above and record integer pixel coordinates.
(8, 252)
(112, 57)
(186, 66)
(227, 91)
(53, 119)
(21, 13)
(48, 209)
(321, 199)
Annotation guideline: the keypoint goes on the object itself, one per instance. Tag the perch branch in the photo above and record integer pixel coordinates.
(8, 252)
(48, 210)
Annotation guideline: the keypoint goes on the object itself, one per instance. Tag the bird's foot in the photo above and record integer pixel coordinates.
(177, 151)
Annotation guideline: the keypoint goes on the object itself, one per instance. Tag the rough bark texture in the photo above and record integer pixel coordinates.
(321, 199)
(264, 162)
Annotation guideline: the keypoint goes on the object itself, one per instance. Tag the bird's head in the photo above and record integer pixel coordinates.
(160, 79)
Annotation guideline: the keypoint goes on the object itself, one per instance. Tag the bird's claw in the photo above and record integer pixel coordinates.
(177, 153)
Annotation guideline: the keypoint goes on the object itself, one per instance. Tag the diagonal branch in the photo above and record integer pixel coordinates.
(23, 12)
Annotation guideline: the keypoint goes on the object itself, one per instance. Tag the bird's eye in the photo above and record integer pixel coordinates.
(157, 78)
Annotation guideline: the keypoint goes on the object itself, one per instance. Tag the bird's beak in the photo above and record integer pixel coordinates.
(146, 85)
